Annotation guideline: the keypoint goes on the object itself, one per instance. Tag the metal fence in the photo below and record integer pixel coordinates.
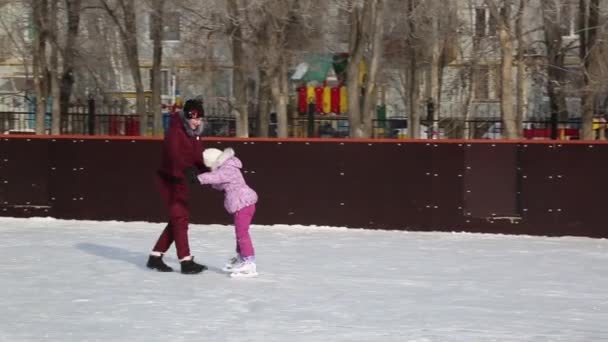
(99, 124)
(493, 129)
(322, 126)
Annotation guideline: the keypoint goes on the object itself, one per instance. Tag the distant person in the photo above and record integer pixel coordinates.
(180, 163)
(239, 200)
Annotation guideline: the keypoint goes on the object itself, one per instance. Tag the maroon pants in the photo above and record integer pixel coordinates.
(176, 200)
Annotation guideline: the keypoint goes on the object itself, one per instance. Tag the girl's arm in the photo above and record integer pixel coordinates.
(213, 177)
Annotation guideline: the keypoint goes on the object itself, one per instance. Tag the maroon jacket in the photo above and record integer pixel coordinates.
(181, 149)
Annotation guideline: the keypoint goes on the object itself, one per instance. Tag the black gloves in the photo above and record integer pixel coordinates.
(169, 178)
(190, 174)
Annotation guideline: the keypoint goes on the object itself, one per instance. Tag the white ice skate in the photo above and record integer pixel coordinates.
(245, 269)
(235, 260)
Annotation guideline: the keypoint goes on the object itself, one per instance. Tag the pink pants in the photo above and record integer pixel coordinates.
(242, 220)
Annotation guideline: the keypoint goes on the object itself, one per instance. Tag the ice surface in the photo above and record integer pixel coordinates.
(67, 280)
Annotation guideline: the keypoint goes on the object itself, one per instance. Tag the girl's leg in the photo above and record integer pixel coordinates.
(242, 220)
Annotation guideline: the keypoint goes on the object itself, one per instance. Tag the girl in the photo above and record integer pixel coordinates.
(239, 200)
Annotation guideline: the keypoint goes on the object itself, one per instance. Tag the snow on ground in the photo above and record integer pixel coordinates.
(67, 280)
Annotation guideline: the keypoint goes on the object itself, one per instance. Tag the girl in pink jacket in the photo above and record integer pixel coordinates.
(239, 200)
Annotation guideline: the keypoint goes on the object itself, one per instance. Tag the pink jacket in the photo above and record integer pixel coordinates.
(227, 177)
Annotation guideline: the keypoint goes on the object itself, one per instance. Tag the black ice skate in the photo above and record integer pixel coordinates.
(157, 263)
(190, 267)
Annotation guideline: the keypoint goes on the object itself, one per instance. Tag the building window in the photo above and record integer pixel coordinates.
(28, 33)
(481, 78)
(164, 81)
(480, 22)
(487, 82)
(333, 10)
(568, 18)
(492, 25)
(171, 27)
(486, 25)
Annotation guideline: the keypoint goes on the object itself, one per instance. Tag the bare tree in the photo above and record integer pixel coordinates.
(239, 86)
(556, 51)
(371, 87)
(506, 37)
(124, 16)
(276, 29)
(261, 35)
(40, 69)
(430, 29)
(15, 43)
(441, 27)
(435, 73)
(359, 16)
(413, 86)
(589, 21)
(157, 56)
(465, 77)
(73, 8)
(277, 72)
(52, 61)
(521, 87)
(366, 30)
(54, 67)
(404, 46)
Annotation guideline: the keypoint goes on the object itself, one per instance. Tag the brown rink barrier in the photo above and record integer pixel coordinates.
(550, 188)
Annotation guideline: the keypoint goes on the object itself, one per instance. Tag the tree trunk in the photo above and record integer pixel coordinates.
(54, 70)
(521, 67)
(69, 53)
(128, 33)
(157, 55)
(264, 99)
(353, 88)
(282, 116)
(39, 13)
(589, 20)
(130, 42)
(278, 86)
(470, 80)
(555, 61)
(435, 79)
(414, 100)
(466, 108)
(506, 91)
(369, 98)
(239, 86)
(506, 69)
(412, 73)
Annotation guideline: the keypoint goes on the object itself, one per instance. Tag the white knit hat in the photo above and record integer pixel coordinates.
(213, 158)
(210, 157)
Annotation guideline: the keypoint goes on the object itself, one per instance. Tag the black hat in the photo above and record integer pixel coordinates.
(194, 109)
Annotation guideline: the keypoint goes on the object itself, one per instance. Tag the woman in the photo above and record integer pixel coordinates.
(180, 163)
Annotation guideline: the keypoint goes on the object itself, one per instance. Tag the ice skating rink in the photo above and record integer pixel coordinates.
(86, 281)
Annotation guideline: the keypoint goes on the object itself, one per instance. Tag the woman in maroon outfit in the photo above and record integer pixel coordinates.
(181, 161)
